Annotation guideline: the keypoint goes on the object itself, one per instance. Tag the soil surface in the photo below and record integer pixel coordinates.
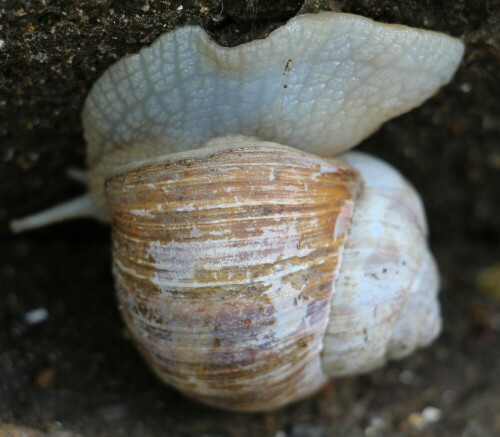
(67, 366)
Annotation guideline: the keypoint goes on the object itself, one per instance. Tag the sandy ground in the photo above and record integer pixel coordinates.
(75, 372)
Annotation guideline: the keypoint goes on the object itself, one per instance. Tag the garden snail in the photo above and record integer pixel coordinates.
(249, 264)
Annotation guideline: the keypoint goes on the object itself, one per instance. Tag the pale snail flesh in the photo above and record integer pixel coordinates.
(247, 271)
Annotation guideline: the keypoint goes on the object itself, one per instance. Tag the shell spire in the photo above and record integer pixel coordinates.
(385, 302)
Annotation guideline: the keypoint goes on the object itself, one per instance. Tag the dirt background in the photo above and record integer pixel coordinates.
(76, 372)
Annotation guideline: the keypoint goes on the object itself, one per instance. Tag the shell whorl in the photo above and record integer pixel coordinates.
(225, 263)
(385, 302)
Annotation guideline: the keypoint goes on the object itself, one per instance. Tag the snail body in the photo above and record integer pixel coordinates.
(250, 266)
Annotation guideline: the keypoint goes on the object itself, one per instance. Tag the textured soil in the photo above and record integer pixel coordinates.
(76, 372)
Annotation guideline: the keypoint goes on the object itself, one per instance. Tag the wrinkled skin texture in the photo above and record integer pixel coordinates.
(448, 152)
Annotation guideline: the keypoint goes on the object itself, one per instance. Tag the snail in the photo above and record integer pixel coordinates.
(253, 256)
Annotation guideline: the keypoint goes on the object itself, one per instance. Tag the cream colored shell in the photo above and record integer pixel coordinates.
(385, 302)
(225, 262)
(238, 282)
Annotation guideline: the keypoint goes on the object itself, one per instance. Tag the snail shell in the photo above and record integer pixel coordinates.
(238, 281)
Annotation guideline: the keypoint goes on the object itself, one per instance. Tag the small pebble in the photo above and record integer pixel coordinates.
(36, 316)
(416, 421)
(46, 378)
(376, 427)
(2, 43)
(180, 8)
(431, 414)
(466, 87)
(448, 397)
(378, 423)
(406, 377)
(428, 416)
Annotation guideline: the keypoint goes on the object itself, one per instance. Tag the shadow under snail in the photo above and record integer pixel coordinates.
(249, 264)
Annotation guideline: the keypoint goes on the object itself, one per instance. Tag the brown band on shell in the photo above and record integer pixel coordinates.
(225, 266)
